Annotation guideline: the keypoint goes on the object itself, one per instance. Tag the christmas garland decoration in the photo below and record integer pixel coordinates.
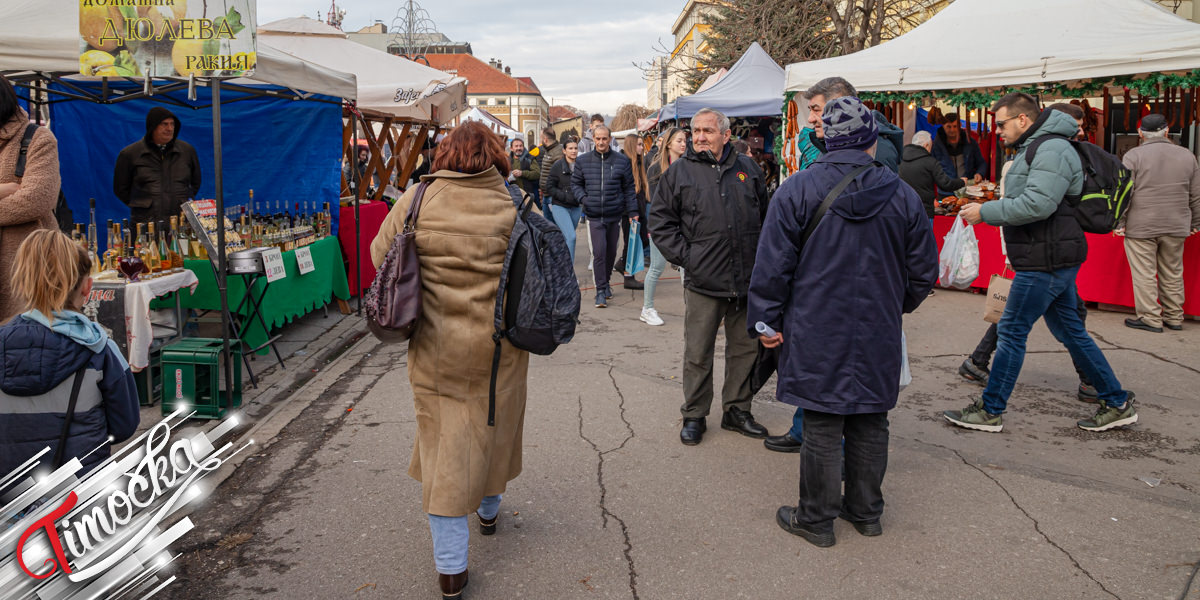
(1148, 86)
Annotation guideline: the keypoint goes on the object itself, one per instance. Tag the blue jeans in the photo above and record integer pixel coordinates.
(1051, 295)
(657, 264)
(451, 534)
(567, 219)
(797, 430)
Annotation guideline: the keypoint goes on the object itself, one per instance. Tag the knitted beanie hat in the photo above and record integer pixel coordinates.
(848, 124)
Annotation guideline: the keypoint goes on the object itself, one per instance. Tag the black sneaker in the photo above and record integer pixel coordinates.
(973, 372)
(1140, 324)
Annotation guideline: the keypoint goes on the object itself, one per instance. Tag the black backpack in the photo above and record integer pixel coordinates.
(1107, 185)
(62, 212)
(537, 305)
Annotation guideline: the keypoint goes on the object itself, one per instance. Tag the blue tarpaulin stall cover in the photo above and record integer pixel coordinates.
(285, 150)
(753, 87)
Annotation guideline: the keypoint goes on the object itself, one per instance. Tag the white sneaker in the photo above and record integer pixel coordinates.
(650, 317)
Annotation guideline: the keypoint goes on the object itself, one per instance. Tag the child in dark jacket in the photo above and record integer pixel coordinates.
(43, 349)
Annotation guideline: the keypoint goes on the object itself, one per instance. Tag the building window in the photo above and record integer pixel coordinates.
(501, 101)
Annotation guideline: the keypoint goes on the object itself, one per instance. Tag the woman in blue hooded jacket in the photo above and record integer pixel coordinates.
(42, 350)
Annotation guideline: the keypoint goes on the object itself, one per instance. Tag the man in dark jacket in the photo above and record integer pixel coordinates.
(1045, 246)
(706, 216)
(158, 173)
(526, 172)
(603, 185)
(838, 320)
(548, 154)
(891, 138)
(921, 170)
(958, 154)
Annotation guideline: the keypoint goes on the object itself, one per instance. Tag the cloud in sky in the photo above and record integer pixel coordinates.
(578, 53)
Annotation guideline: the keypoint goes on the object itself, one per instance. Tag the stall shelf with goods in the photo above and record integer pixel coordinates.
(40, 52)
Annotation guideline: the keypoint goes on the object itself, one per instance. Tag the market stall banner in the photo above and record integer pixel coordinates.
(293, 296)
(166, 38)
(286, 151)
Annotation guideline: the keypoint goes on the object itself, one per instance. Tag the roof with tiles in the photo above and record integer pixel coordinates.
(482, 77)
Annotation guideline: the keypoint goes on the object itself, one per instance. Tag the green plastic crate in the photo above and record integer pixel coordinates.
(192, 373)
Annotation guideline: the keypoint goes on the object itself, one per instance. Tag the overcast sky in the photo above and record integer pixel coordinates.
(578, 53)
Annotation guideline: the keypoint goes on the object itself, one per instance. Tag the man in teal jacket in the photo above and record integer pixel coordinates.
(1046, 246)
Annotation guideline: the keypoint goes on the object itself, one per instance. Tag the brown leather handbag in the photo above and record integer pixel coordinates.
(393, 301)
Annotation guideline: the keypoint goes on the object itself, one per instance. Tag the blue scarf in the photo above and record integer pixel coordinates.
(80, 329)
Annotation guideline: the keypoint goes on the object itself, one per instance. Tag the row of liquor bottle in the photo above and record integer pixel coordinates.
(153, 251)
(279, 215)
(162, 250)
(283, 229)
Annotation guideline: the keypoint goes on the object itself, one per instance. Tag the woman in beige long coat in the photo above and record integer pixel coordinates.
(26, 205)
(462, 233)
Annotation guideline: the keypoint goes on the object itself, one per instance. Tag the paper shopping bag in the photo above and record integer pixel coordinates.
(997, 297)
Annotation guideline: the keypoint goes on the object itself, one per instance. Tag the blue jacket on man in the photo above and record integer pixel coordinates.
(39, 367)
(973, 162)
(603, 186)
(839, 302)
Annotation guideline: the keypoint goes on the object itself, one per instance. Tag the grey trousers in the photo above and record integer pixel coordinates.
(703, 315)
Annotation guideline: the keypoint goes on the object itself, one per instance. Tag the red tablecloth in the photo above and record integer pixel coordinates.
(372, 216)
(1104, 278)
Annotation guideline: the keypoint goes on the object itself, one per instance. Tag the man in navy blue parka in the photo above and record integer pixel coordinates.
(837, 307)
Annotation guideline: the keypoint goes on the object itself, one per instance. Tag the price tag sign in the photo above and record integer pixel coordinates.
(273, 263)
(304, 260)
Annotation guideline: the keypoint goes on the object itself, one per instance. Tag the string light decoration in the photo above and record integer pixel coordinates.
(411, 32)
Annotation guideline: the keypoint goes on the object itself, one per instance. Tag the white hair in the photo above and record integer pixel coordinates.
(722, 120)
(921, 138)
(1154, 135)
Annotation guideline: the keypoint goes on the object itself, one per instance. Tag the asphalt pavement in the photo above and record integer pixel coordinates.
(611, 505)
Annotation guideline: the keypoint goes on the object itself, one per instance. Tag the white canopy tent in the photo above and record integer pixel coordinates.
(387, 85)
(983, 43)
(493, 123)
(43, 36)
(753, 87)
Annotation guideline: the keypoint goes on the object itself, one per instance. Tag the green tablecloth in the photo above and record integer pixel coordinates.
(286, 299)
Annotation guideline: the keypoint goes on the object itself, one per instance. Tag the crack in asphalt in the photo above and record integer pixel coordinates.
(250, 520)
(1036, 525)
(1146, 352)
(605, 512)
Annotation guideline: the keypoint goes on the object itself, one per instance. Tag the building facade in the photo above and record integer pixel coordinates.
(691, 30)
(516, 101)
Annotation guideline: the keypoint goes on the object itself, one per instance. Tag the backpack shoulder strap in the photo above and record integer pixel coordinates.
(62, 438)
(26, 139)
(829, 198)
(1037, 143)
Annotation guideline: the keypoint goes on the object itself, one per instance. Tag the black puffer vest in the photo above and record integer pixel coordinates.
(1051, 244)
